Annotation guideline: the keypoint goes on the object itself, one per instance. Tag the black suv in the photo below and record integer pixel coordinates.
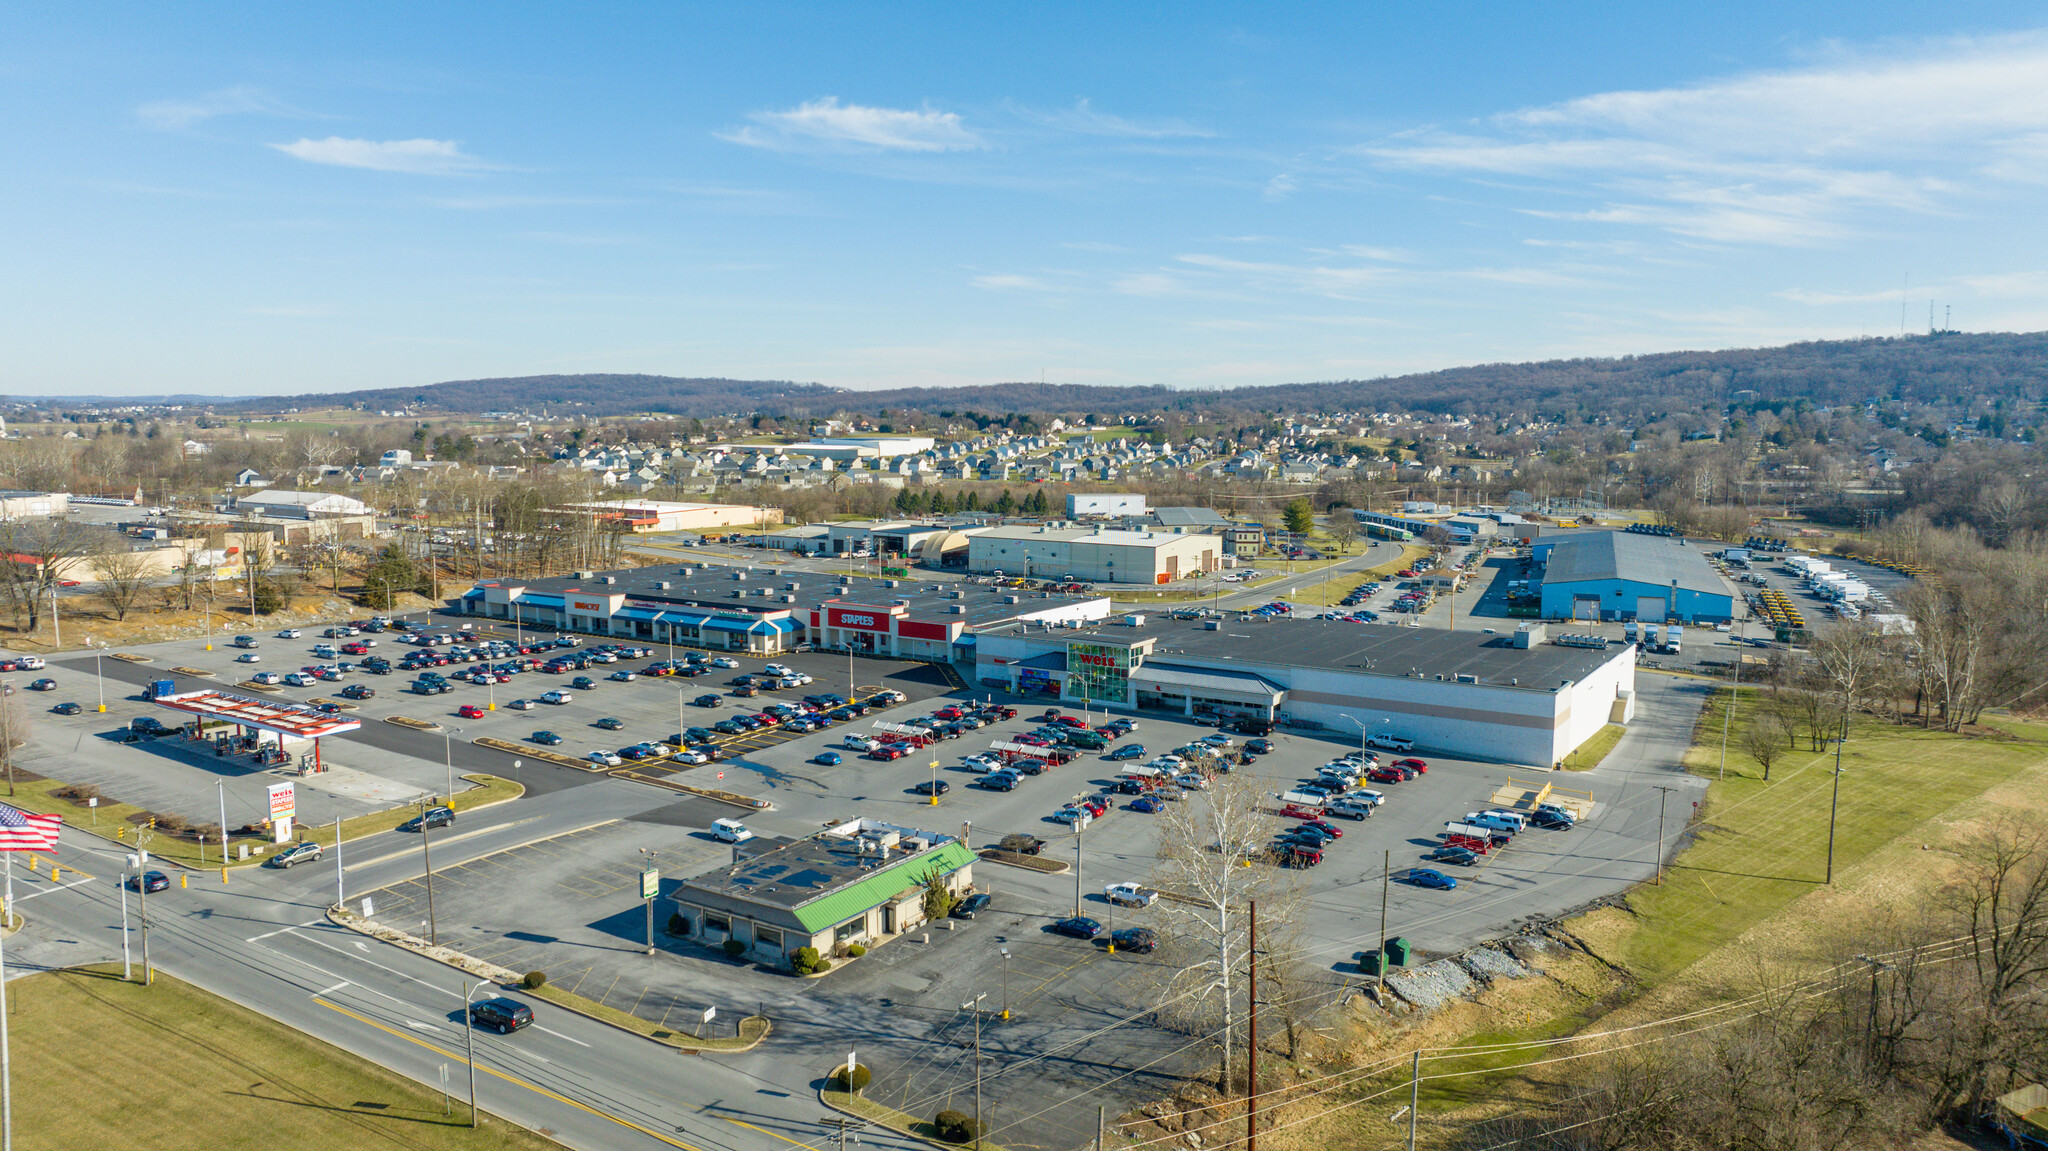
(432, 817)
(501, 1015)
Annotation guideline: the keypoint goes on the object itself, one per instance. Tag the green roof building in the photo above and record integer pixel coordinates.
(859, 882)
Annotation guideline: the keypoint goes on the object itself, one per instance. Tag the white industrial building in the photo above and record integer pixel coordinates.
(1105, 504)
(1092, 555)
(1525, 698)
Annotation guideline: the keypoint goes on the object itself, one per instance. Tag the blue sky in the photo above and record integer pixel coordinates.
(241, 199)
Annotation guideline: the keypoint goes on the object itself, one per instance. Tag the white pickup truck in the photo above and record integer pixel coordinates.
(1130, 894)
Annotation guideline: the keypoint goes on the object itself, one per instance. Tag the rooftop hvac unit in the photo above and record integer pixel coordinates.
(888, 583)
(791, 586)
(789, 599)
(956, 594)
(739, 593)
(841, 590)
(957, 609)
(1009, 599)
(662, 584)
(610, 579)
(585, 575)
(901, 602)
(741, 574)
(1466, 678)
(1212, 625)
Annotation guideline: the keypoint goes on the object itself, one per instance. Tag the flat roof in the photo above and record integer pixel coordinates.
(712, 588)
(1112, 537)
(1634, 557)
(1373, 649)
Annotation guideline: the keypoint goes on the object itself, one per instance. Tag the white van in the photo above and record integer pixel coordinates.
(1491, 821)
(1516, 818)
(730, 830)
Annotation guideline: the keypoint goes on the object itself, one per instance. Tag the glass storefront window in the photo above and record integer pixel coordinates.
(1099, 672)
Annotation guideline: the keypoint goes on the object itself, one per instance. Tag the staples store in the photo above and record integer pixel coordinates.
(884, 629)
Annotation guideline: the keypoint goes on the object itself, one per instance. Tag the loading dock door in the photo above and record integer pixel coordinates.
(1651, 608)
(1585, 607)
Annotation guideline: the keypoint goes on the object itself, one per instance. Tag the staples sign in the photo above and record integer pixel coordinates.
(857, 620)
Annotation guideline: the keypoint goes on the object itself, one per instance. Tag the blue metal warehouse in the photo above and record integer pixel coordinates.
(1621, 576)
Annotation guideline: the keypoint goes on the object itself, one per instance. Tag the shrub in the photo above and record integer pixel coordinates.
(534, 980)
(807, 961)
(677, 925)
(171, 823)
(861, 1078)
(954, 1126)
(79, 791)
(735, 947)
(856, 950)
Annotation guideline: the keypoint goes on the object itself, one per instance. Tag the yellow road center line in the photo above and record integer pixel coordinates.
(533, 1087)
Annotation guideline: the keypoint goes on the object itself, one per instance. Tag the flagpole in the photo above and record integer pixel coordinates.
(6, 1069)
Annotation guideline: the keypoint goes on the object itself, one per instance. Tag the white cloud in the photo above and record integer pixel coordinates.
(1785, 158)
(1320, 279)
(427, 157)
(1084, 118)
(1280, 187)
(1015, 283)
(827, 123)
(174, 114)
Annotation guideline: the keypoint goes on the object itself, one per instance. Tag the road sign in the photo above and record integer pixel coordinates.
(650, 883)
(710, 1013)
(369, 908)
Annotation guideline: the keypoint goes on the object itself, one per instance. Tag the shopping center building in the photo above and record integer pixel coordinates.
(1521, 698)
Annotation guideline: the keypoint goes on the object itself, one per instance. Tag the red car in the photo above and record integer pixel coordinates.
(1415, 765)
(1296, 811)
(769, 718)
(1091, 807)
(1073, 721)
(355, 649)
(1326, 827)
(954, 712)
(888, 751)
(1405, 574)
(470, 711)
(1386, 775)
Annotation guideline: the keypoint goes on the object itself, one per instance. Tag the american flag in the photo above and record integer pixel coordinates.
(26, 831)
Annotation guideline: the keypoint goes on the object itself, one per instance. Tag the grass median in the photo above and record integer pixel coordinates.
(99, 1062)
(890, 1117)
(753, 1028)
(1591, 752)
(116, 820)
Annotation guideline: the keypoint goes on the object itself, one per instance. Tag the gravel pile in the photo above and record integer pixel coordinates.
(1433, 984)
(1488, 964)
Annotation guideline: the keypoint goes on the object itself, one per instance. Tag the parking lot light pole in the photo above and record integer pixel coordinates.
(973, 1005)
(427, 860)
(448, 735)
(935, 783)
(99, 649)
(1006, 983)
(469, 1041)
(1078, 829)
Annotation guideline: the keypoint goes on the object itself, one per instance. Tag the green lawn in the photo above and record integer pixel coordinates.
(99, 1062)
(1760, 845)
(1591, 752)
(111, 819)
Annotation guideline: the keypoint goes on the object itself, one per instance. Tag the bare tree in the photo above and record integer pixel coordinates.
(1761, 740)
(123, 573)
(1211, 855)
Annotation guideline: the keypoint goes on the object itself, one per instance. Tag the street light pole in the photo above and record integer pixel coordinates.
(469, 1040)
(448, 735)
(973, 1005)
(427, 859)
(1006, 983)
(1834, 798)
(99, 674)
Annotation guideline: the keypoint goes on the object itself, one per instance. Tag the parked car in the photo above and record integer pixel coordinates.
(1129, 894)
(1078, 926)
(725, 661)
(708, 700)
(610, 723)
(1147, 805)
(67, 709)
(972, 906)
(43, 685)
(358, 691)
(828, 758)
(1388, 742)
(501, 1015)
(431, 818)
(933, 787)
(268, 678)
(1127, 751)
(521, 705)
(248, 657)
(289, 633)
(546, 738)
(297, 853)
(470, 711)
(1429, 877)
(1461, 856)
(1138, 940)
(606, 758)
(557, 697)
(581, 683)
(1414, 765)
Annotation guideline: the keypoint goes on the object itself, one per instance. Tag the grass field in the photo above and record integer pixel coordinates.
(1591, 752)
(112, 819)
(103, 1063)
(1760, 845)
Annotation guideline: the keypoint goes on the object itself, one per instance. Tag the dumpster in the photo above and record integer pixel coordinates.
(1369, 962)
(1399, 951)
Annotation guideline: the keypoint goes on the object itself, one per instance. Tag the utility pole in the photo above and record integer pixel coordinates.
(1077, 867)
(1251, 1058)
(1386, 878)
(1834, 797)
(427, 859)
(1734, 693)
(1414, 1095)
(1662, 794)
(973, 1005)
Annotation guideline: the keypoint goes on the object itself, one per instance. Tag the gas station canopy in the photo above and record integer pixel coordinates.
(288, 720)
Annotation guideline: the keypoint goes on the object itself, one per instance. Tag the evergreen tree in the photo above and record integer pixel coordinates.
(1300, 516)
(1006, 504)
